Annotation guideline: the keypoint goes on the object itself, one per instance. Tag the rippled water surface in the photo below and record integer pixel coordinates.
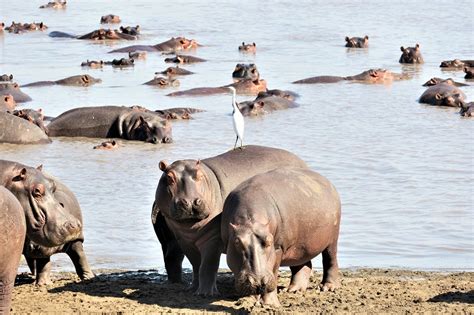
(404, 170)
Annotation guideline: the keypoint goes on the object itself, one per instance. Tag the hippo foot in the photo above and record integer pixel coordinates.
(44, 282)
(88, 276)
(271, 299)
(293, 288)
(208, 292)
(192, 287)
(328, 286)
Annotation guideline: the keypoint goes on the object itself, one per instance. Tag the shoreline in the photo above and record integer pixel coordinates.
(146, 291)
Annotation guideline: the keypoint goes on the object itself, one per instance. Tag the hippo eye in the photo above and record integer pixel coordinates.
(170, 179)
(38, 191)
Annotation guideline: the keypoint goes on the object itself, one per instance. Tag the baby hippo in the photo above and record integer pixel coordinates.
(357, 42)
(248, 48)
(411, 55)
(110, 18)
(107, 145)
(284, 217)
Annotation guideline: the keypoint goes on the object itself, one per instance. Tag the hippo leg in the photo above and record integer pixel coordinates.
(195, 258)
(330, 268)
(271, 298)
(43, 270)
(300, 277)
(208, 269)
(78, 257)
(6, 288)
(31, 264)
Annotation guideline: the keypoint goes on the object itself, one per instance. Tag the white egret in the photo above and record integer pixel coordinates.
(238, 120)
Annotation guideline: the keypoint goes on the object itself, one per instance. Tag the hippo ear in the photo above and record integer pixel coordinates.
(163, 165)
(11, 76)
(114, 142)
(259, 104)
(417, 46)
(198, 163)
(20, 176)
(243, 43)
(255, 45)
(40, 167)
(347, 39)
(233, 227)
(402, 48)
(438, 96)
(366, 37)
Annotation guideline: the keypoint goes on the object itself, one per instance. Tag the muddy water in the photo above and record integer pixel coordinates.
(404, 170)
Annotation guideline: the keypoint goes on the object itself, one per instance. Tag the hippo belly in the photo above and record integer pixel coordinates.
(20, 131)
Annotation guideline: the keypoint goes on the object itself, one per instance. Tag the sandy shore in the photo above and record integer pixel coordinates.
(365, 290)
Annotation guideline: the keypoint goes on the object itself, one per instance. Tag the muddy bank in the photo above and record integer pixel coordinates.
(365, 290)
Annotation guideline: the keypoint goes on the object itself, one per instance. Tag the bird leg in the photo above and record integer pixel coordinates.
(241, 144)
(236, 139)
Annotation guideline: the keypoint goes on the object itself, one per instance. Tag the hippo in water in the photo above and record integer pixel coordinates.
(173, 71)
(443, 94)
(246, 71)
(188, 202)
(434, 81)
(17, 28)
(35, 117)
(76, 80)
(7, 103)
(110, 18)
(137, 55)
(172, 45)
(13, 89)
(163, 82)
(54, 5)
(284, 217)
(12, 238)
(246, 86)
(411, 55)
(357, 42)
(20, 131)
(469, 73)
(184, 59)
(467, 109)
(111, 122)
(248, 48)
(265, 104)
(99, 34)
(53, 219)
(93, 64)
(121, 63)
(369, 76)
(107, 145)
(456, 64)
(130, 30)
(6, 78)
(176, 113)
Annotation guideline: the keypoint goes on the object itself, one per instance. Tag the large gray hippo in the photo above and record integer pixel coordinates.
(284, 217)
(13, 89)
(12, 238)
(172, 45)
(411, 55)
(53, 219)
(75, 80)
(443, 94)
(188, 202)
(245, 86)
(20, 131)
(369, 76)
(111, 122)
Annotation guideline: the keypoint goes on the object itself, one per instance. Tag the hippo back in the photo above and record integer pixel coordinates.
(18, 130)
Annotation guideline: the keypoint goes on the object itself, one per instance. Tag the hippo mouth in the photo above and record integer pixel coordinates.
(249, 284)
(189, 214)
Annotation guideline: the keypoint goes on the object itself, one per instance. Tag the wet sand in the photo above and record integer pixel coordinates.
(364, 290)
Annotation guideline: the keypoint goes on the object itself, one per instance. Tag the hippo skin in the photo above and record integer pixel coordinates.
(110, 18)
(443, 94)
(245, 86)
(35, 117)
(100, 34)
(284, 217)
(434, 81)
(17, 130)
(7, 103)
(172, 71)
(411, 55)
(246, 71)
(12, 238)
(107, 145)
(13, 89)
(172, 45)
(248, 48)
(369, 76)
(357, 42)
(163, 82)
(111, 122)
(456, 64)
(54, 5)
(265, 104)
(184, 59)
(467, 110)
(53, 219)
(76, 80)
(6, 77)
(188, 202)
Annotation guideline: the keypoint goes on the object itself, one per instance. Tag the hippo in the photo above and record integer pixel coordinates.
(107, 145)
(443, 94)
(163, 82)
(110, 18)
(248, 48)
(284, 217)
(137, 55)
(188, 202)
(184, 59)
(17, 28)
(246, 71)
(411, 55)
(280, 93)
(456, 64)
(13, 89)
(20, 131)
(469, 73)
(357, 42)
(245, 86)
(263, 105)
(76, 80)
(130, 30)
(111, 122)
(100, 34)
(94, 64)
(467, 109)
(6, 78)
(122, 62)
(178, 113)
(434, 81)
(53, 219)
(12, 238)
(35, 117)
(172, 71)
(7, 103)
(172, 45)
(54, 5)
(369, 76)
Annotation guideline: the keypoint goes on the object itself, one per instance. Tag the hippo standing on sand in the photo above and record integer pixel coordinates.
(443, 94)
(53, 219)
(188, 202)
(76, 80)
(12, 238)
(357, 42)
(369, 76)
(411, 55)
(111, 122)
(284, 217)
(13, 89)
(20, 131)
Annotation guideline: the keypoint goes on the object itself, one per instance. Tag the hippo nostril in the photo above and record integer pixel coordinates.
(167, 140)
(61, 204)
(197, 202)
(155, 140)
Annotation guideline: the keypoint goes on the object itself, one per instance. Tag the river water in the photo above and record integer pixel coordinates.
(404, 170)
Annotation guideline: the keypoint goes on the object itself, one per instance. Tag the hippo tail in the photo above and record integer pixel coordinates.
(57, 34)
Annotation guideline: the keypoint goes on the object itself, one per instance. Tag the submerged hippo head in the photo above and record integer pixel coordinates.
(467, 110)
(107, 145)
(93, 64)
(110, 18)
(184, 190)
(357, 42)
(130, 30)
(171, 71)
(14, 90)
(252, 108)
(449, 99)
(48, 222)
(137, 55)
(6, 78)
(123, 62)
(411, 55)
(456, 63)
(251, 257)
(246, 71)
(145, 126)
(79, 80)
(252, 48)
(163, 82)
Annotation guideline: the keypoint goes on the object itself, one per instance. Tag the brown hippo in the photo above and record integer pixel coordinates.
(172, 71)
(284, 217)
(369, 76)
(100, 34)
(110, 18)
(6, 78)
(137, 55)
(246, 86)
(35, 117)
(443, 94)
(411, 55)
(357, 42)
(248, 48)
(54, 5)
(280, 93)
(264, 105)
(130, 30)
(121, 63)
(163, 82)
(178, 113)
(111, 122)
(7, 103)
(172, 45)
(53, 219)
(456, 64)
(17, 28)
(188, 202)
(184, 59)
(469, 73)
(107, 145)
(467, 110)
(76, 80)
(12, 238)
(13, 89)
(434, 81)
(19, 131)
(93, 64)
(246, 71)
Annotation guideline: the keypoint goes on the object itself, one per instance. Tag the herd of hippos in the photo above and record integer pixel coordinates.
(263, 207)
